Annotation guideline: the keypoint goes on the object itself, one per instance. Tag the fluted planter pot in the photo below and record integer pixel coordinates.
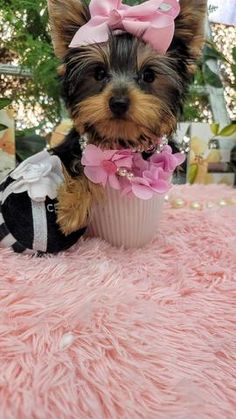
(126, 220)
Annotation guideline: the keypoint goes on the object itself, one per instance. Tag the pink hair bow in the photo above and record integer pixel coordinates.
(153, 21)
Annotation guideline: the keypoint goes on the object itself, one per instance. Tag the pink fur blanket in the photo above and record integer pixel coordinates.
(103, 333)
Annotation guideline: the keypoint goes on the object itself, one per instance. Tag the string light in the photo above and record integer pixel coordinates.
(225, 39)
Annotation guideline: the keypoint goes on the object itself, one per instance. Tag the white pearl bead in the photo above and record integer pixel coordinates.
(130, 176)
(223, 203)
(122, 172)
(196, 205)
(232, 201)
(178, 203)
(210, 204)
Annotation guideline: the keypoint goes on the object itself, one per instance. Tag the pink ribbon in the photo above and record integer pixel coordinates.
(153, 21)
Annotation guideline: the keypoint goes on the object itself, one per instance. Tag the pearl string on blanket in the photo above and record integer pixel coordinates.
(180, 203)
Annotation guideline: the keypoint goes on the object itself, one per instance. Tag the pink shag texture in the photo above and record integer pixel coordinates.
(103, 333)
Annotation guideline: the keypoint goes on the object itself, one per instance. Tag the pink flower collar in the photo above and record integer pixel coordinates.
(127, 171)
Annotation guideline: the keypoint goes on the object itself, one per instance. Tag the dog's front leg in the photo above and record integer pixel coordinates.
(76, 197)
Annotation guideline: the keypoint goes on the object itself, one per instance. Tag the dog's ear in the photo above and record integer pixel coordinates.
(190, 27)
(66, 17)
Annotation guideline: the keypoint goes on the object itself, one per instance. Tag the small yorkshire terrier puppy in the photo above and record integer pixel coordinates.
(125, 72)
(121, 93)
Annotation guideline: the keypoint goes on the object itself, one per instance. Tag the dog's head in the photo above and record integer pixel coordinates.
(124, 92)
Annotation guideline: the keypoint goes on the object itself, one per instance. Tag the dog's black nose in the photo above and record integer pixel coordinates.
(119, 105)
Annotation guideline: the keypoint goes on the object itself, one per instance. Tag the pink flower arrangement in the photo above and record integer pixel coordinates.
(127, 171)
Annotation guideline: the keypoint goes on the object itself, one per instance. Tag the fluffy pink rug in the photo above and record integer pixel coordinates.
(104, 333)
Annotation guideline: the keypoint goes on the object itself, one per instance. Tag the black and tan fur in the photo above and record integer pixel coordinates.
(153, 85)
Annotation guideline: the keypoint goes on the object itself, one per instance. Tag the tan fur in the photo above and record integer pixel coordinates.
(61, 69)
(190, 24)
(66, 17)
(144, 119)
(75, 200)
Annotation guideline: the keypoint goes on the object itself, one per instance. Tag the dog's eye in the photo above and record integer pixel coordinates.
(148, 75)
(100, 73)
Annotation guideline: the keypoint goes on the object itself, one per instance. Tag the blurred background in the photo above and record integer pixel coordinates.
(29, 85)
